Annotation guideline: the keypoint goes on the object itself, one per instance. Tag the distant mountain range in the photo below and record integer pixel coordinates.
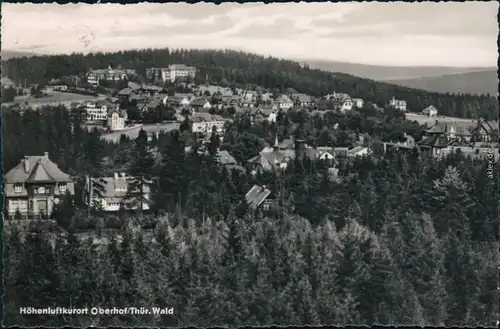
(483, 82)
(475, 80)
(8, 54)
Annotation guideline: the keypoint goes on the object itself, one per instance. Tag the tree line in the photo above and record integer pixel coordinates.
(398, 239)
(244, 69)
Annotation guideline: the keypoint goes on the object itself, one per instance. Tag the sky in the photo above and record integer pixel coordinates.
(392, 34)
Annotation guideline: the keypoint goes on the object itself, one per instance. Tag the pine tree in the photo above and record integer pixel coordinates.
(140, 174)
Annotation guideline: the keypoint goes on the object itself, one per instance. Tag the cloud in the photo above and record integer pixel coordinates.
(373, 33)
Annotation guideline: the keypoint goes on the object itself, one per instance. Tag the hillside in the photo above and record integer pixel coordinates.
(386, 73)
(245, 69)
(484, 82)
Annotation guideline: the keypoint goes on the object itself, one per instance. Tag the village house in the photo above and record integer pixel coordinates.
(358, 102)
(109, 74)
(204, 123)
(283, 102)
(475, 151)
(408, 144)
(201, 105)
(430, 111)
(342, 102)
(34, 186)
(250, 96)
(116, 119)
(444, 136)
(358, 151)
(57, 87)
(125, 94)
(256, 196)
(171, 73)
(302, 100)
(263, 113)
(398, 104)
(179, 100)
(116, 193)
(279, 156)
(98, 111)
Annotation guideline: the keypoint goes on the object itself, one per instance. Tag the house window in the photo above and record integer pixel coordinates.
(62, 188)
(18, 188)
(41, 190)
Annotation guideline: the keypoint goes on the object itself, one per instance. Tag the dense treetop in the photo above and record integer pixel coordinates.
(231, 67)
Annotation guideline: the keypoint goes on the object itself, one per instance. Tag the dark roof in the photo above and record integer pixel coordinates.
(199, 102)
(256, 196)
(40, 169)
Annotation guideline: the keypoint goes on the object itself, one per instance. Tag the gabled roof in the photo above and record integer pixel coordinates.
(430, 108)
(206, 117)
(40, 169)
(303, 98)
(356, 149)
(256, 196)
(283, 99)
(125, 92)
(116, 187)
(225, 158)
(200, 102)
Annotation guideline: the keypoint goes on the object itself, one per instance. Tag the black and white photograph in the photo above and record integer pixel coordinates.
(250, 164)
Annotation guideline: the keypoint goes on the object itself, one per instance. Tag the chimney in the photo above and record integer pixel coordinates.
(116, 175)
(46, 155)
(26, 165)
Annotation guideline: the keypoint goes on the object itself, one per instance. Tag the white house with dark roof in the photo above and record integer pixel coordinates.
(34, 186)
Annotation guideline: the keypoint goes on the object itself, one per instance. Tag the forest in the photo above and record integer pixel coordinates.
(399, 239)
(238, 68)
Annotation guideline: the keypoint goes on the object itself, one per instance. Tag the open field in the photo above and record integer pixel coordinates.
(423, 119)
(54, 98)
(133, 132)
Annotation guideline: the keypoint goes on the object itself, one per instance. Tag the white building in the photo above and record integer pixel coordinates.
(430, 111)
(358, 102)
(341, 101)
(98, 111)
(174, 72)
(116, 119)
(115, 193)
(283, 102)
(398, 104)
(109, 74)
(204, 123)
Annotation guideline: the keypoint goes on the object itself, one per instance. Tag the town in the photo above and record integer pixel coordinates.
(239, 165)
(167, 99)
